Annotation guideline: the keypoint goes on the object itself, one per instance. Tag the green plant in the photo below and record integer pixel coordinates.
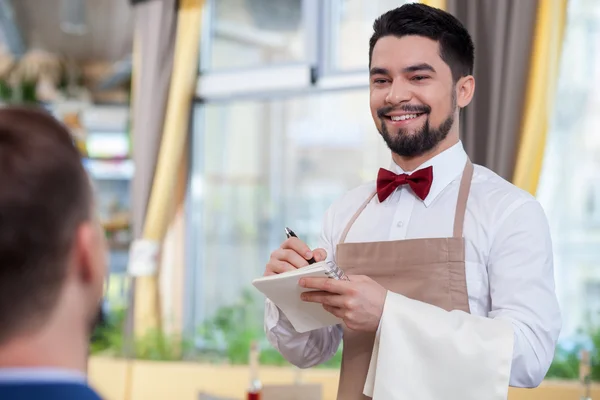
(160, 347)
(108, 334)
(108, 339)
(224, 338)
(232, 329)
(23, 93)
(567, 361)
(5, 91)
(565, 364)
(594, 336)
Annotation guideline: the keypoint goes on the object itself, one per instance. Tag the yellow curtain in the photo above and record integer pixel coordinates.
(172, 264)
(170, 167)
(539, 99)
(441, 4)
(181, 94)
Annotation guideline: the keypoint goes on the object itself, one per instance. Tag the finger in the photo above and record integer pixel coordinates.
(298, 246)
(289, 256)
(338, 312)
(278, 267)
(325, 298)
(320, 254)
(326, 285)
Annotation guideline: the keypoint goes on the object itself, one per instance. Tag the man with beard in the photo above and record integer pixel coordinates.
(52, 260)
(451, 290)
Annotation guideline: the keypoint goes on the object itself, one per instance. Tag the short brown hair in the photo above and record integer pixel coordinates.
(456, 45)
(45, 194)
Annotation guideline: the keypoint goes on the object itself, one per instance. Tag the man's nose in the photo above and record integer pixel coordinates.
(398, 93)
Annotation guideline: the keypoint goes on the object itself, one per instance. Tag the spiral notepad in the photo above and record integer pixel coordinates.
(283, 290)
(335, 272)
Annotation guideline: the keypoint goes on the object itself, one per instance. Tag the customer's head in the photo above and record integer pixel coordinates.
(52, 249)
(421, 64)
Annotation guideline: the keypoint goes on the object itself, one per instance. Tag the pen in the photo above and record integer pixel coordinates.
(290, 233)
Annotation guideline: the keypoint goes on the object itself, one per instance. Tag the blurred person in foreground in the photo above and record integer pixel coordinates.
(52, 260)
(451, 292)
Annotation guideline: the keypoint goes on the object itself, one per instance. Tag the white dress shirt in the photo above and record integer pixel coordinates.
(41, 375)
(509, 262)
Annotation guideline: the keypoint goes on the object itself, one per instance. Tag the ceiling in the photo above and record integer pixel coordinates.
(108, 28)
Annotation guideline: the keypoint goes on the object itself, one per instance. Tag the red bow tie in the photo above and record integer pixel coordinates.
(419, 181)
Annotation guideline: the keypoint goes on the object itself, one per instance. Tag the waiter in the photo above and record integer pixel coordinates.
(451, 292)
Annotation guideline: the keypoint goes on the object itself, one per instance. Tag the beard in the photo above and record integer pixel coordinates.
(420, 142)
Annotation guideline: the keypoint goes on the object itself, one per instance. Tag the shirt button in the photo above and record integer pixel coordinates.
(400, 224)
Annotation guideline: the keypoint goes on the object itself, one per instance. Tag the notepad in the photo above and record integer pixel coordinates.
(283, 290)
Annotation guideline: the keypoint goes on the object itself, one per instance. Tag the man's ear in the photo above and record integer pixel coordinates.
(85, 253)
(465, 89)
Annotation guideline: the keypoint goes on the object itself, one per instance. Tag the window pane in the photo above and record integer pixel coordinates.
(265, 165)
(352, 28)
(249, 33)
(570, 184)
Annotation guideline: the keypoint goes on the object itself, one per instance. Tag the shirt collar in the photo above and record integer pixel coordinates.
(446, 167)
(53, 375)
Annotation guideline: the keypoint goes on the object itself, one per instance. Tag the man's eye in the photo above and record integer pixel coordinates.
(380, 81)
(419, 77)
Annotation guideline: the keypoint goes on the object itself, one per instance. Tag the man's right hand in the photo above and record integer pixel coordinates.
(292, 254)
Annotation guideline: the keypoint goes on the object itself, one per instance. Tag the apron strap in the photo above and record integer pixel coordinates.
(461, 204)
(463, 196)
(355, 216)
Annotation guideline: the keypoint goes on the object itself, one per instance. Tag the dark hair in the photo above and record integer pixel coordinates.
(45, 194)
(456, 46)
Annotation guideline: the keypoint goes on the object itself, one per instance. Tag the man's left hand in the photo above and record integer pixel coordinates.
(359, 301)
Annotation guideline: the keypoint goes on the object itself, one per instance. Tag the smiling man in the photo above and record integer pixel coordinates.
(451, 292)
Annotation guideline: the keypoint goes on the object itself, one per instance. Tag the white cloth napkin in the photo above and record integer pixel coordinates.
(423, 352)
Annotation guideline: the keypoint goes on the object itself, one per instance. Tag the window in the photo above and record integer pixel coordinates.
(351, 28)
(282, 129)
(262, 165)
(592, 301)
(253, 33)
(569, 186)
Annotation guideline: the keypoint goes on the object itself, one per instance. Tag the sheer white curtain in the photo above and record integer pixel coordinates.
(570, 183)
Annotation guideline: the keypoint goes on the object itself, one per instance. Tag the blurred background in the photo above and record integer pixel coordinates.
(209, 126)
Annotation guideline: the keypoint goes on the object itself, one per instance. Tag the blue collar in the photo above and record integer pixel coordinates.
(39, 374)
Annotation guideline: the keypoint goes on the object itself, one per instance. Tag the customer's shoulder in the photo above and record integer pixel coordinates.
(47, 390)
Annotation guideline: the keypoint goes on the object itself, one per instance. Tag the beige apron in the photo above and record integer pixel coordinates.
(427, 270)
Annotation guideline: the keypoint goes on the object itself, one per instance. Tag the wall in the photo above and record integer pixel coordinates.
(184, 381)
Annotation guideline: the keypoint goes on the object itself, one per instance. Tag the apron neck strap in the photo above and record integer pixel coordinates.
(463, 196)
(461, 204)
(355, 216)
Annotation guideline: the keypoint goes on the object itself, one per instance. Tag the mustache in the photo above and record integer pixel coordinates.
(418, 109)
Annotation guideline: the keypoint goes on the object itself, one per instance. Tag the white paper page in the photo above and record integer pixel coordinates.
(284, 291)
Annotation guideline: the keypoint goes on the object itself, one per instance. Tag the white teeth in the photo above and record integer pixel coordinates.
(403, 117)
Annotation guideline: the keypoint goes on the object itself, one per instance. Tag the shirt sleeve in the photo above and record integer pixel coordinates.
(522, 291)
(303, 350)
(306, 349)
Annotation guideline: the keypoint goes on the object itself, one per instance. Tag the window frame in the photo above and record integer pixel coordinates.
(316, 74)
